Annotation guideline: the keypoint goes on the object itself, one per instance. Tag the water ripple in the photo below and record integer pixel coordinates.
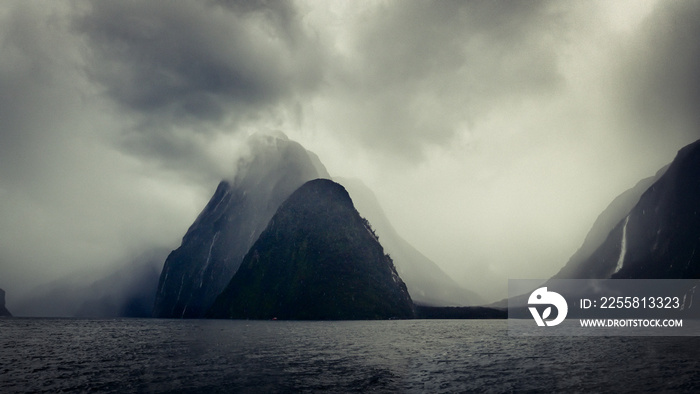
(150, 355)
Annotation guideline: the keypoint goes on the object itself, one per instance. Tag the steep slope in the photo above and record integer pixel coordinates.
(3, 311)
(427, 283)
(214, 246)
(317, 259)
(603, 225)
(660, 236)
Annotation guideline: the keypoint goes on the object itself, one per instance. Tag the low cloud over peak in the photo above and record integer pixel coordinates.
(503, 124)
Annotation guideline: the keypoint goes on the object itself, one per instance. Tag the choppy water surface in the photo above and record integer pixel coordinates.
(135, 355)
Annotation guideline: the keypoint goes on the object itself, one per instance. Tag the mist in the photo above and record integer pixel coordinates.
(124, 291)
(493, 133)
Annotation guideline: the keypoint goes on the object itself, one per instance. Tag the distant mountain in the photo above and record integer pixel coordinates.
(317, 259)
(659, 237)
(126, 291)
(427, 283)
(3, 311)
(215, 244)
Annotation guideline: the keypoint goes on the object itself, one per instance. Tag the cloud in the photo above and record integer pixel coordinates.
(71, 202)
(198, 61)
(417, 73)
(659, 78)
(503, 127)
(508, 126)
(186, 76)
(33, 74)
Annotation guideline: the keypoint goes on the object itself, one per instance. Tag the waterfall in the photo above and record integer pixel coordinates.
(206, 264)
(623, 246)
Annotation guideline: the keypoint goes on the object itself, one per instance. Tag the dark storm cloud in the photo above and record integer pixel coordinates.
(69, 199)
(422, 71)
(662, 76)
(195, 60)
(118, 118)
(200, 65)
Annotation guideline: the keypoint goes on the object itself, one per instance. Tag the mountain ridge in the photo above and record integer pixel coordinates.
(317, 259)
(658, 237)
(215, 244)
(428, 284)
(606, 222)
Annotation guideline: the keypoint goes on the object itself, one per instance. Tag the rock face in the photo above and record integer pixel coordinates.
(317, 259)
(215, 244)
(604, 224)
(3, 311)
(659, 238)
(427, 283)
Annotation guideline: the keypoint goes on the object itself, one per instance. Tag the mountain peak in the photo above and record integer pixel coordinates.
(215, 244)
(268, 136)
(317, 259)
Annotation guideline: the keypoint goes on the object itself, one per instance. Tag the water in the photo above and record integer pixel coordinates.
(149, 355)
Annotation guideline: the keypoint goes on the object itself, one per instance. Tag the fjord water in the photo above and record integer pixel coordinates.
(152, 355)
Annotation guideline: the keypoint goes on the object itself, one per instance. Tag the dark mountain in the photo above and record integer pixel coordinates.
(650, 231)
(317, 259)
(659, 238)
(427, 283)
(3, 311)
(214, 246)
(603, 225)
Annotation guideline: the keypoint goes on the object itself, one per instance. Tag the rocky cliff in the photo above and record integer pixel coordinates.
(317, 259)
(214, 246)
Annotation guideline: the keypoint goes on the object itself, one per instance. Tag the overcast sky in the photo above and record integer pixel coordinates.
(493, 133)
